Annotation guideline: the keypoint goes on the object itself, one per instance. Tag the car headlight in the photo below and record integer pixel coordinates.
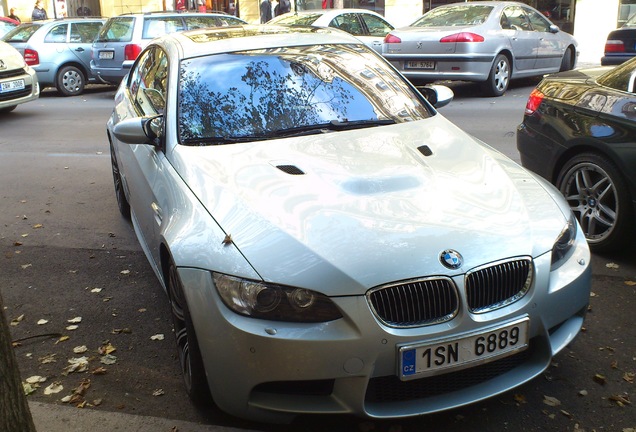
(274, 302)
(564, 243)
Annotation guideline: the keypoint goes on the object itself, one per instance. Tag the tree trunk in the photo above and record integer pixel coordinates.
(14, 409)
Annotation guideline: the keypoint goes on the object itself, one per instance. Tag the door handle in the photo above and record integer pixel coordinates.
(80, 49)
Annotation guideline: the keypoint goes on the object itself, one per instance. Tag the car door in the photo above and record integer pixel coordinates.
(376, 29)
(523, 40)
(80, 40)
(550, 48)
(143, 164)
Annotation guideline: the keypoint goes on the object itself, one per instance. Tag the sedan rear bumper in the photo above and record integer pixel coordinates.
(455, 68)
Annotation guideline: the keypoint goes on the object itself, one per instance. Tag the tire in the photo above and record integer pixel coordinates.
(70, 81)
(599, 198)
(499, 77)
(8, 109)
(190, 360)
(566, 61)
(122, 201)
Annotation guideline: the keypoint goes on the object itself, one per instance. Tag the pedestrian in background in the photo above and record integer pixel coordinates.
(39, 13)
(13, 16)
(283, 6)
(266, 11)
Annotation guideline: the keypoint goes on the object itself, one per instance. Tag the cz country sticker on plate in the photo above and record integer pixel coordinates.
(420, 360)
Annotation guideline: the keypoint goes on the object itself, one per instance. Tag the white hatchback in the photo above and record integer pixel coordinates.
(18, 81)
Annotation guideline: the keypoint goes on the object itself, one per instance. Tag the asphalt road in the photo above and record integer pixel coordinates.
(69, 259)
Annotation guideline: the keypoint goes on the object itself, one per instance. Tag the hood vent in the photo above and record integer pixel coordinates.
(425, 150)
(290, 169)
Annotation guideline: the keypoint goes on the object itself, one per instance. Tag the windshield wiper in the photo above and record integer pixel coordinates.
(333, 125)
(220, 140)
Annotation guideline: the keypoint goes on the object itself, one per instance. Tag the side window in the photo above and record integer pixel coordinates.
(84, 32)
(376, 26)
(348, 23)
(57, 34)
(154, 27)
(518, 20)
(539, 23)
(149, 81)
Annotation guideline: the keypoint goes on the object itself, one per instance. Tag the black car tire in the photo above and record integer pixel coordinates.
(499, 77)
(8, 109)
(566, 61)
(70, 81)
(190, 360)
(599, 198)
(122, 201)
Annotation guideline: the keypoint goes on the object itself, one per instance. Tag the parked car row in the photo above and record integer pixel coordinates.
(69, 53)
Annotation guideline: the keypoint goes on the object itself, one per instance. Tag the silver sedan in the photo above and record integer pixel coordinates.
(328, 241)
(488, 42)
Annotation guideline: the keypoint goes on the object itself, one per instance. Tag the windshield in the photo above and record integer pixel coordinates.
(460, 15)
(118, 29)
(22, 33)
(619, 77)
(262, 94)
(295, 19)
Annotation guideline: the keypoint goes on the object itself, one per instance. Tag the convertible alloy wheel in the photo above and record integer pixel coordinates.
(190, 360)
(595, 191)
(499, 78)
(70, 81)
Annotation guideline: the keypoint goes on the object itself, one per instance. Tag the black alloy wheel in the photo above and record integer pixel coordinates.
(596, 192)
(122, 201)
(190, 360)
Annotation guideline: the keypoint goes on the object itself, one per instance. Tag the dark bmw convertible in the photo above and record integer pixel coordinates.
(579, 132)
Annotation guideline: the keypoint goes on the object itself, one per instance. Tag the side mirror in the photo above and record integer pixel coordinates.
(139, 130)
(437, 95)
(554, 28)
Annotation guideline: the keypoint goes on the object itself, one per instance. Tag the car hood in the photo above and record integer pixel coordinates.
(342, 212)
(11, 58)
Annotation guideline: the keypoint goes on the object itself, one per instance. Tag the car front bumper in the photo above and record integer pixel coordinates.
(31, 90)
(272, 371)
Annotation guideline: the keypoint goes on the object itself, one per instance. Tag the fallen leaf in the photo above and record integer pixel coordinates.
(80, 349)
(614, 364)
(36, 226)
(600, 379)
(630, 283)
(158, 392)
(28, 388)
(35, 379)
(42, 322)
(620, 400)
(551, 401)
(107, 349)
(565, 413)
(76, 364)
(62, 339)
(17, 320)
(75, 320)
(96, 290)
(119, 331)
(50, 358)
(99, 371)
(125, 272)
(612, 266)
(156, 337)
(56, 387)
(26, 266)
(583, 393)
(629, 377)
(519, 398)
(71, 327)
(108, 359)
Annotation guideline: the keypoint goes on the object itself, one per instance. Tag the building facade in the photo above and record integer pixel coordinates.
(588, 20)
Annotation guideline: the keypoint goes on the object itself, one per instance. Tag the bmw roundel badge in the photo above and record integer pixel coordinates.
(451, 259)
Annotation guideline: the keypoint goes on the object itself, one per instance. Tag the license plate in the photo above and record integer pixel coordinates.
(420, 360)
(12, 86)
(420, 64)
(106, 55)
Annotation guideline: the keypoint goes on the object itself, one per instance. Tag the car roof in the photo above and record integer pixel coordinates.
(216, 40)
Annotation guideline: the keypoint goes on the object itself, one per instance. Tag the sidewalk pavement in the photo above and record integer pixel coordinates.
(56, 418)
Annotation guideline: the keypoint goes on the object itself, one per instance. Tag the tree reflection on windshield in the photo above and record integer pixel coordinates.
(253, 95)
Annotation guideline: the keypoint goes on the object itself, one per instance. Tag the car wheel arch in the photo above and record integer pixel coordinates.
(578, 147)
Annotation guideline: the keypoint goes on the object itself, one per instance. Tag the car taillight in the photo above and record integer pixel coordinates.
(614, 46)
(131, 51)
(392, 39)
(462, 37)
(31, 57)
(535, 99)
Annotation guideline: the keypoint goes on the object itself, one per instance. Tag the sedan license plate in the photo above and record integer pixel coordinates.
(10, 86)
(420, 64)
(106, 55)
(420, 360)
